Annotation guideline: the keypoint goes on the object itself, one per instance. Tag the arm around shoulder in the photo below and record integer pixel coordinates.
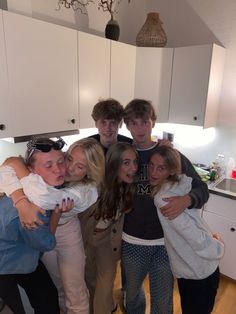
(199, 193)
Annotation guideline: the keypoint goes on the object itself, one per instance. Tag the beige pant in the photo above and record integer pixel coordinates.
(66, 265)
(102, 254)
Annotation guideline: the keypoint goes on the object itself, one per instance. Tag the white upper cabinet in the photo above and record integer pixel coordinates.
(106, 69)
(196, 85)
(123, 59)
(52, 76)
(6, 116)
(43, 75)
(153, 78)
(94, 74)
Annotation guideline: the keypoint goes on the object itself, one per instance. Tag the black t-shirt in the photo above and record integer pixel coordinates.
(143, 222)
(120, 138)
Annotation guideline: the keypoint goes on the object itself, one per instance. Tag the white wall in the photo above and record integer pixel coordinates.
(130, 16)
(186, 22)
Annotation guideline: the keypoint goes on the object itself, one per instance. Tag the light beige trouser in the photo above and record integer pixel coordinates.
(66, 264)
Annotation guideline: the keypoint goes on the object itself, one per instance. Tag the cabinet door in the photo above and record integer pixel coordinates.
(42, 69)
(123, 59)
(222, 206)
(227, 230)
(94, 74)
(6, 116)
(196, 85)
(153, 78)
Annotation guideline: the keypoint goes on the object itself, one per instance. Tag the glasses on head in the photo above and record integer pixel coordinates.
(33, 146)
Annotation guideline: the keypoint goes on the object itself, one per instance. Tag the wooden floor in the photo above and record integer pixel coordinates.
(225, 300)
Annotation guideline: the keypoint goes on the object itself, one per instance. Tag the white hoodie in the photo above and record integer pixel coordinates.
(192, 250)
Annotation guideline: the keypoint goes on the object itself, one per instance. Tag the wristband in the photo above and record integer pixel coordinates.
(20, 199)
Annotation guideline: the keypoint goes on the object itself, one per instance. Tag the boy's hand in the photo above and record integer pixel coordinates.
(175, 206)
(165, 143)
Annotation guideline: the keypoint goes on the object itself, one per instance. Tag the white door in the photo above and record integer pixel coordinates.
(94, 74)
(43, 80)
(123, 59)
(227, 230)
(7, 114)
(153, 78)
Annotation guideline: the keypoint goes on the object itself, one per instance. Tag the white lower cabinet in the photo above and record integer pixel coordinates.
(220, 215)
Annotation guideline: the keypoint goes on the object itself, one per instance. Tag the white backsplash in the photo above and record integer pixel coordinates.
(198, 144)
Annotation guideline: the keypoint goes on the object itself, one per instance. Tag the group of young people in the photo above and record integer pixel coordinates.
(74, 215)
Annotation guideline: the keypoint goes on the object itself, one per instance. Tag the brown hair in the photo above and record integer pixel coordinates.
(108, 109)
(139, 108)
(172, 162)
(114, 194)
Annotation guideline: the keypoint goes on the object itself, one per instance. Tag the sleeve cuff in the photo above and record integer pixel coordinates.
(9, 182)
(193, 201)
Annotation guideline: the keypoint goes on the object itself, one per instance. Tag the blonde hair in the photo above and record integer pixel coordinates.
(95, 159)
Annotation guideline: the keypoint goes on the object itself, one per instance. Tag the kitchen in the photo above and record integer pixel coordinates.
(186, 23)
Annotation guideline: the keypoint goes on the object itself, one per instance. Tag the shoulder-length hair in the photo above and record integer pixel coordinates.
(115, 195)
(172, 163)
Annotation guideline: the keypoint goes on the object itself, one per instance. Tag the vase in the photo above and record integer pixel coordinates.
(112, 30)
(152, 33)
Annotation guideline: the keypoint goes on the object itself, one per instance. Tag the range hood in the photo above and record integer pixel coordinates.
(26, 138)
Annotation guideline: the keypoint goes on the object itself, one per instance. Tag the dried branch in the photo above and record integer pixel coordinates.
(108, 6)
(74, 4)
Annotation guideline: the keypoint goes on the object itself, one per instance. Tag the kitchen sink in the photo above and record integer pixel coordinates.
(227, 185)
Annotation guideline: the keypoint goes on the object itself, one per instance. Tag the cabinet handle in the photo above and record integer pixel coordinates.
(2, 127)
(72, 121)
(232, 229)
(195, 118)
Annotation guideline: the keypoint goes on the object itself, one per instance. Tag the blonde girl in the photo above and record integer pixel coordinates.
(84, 174)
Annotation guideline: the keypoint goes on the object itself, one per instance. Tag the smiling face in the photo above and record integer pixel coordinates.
(76, 165)
(128, 167)
(50, 166)
(108, 130)
(158, 170)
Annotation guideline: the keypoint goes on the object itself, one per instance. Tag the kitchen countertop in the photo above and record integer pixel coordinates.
(223, 187)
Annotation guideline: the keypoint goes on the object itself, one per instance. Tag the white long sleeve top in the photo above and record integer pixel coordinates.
(46, 196)
(192, 250)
